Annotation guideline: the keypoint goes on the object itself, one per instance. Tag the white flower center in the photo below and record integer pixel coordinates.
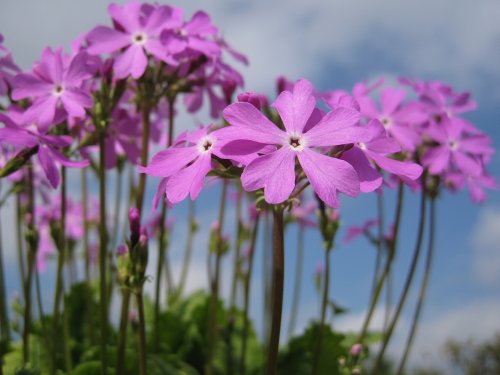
(139, 38)
(295, 141)
(362, 145)
(453, 145)
(58, 90)
(206, 143)
(386, 122)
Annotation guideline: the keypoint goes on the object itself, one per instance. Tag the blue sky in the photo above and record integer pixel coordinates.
(335, 44)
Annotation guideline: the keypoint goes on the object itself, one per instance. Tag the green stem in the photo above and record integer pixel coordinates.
(118, 205)
(122, 333)
(20, 247)
(67, 349)
(45, 329)
(248, 280)
(103, 255)
(144, 154)
(277, 290)
(298, 280)
(237, 247)
(86, 252)
(162, 243)
(31, 265)
(4, 318)
(189, 248)
(423, 286)
(324, 305)
(390, 256)
(62, 255)
(266, 270)
(214, 296)
(409, 278)
(142, 335)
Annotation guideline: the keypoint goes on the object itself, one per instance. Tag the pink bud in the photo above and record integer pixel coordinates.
(356, 349)
(121, 250)
(134, 218)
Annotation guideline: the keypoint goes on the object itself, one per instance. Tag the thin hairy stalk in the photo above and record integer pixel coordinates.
(390, 256)
(423, 286)
(189, 248)
(237, 249)
(162, 243)
(143, 368)
(31, 248)
(103, 250)
(214, 286)
(145, 111)
(277, 290)
(86, 254)
(248, 280)
(61, 255)
(380, 241)
(298, 279)
(122, 332)
(324, 305)
(118, 205)
(61, 247)
(4, 318)
(409, 278)
(67, 350)
(45, 330)
(19, 238)
(266, 270)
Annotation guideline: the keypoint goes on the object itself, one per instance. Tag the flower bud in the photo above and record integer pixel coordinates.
(356, 349)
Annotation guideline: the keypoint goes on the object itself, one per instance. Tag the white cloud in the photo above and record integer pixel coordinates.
(486, 250)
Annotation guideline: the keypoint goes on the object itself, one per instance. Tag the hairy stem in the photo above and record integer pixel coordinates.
(390, 256)
(122, 333)
(143, 369)
(248, 279)
(298, 280)
(103, 251)
(423, 286)
(214, 296)
(277, 290)
(409, 278)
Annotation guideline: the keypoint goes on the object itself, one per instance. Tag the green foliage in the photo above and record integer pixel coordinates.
(297, 358)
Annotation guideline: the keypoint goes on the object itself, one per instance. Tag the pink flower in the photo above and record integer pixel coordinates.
(456, 149)
(184, 166)
(304, 129)
(8, 69)
(56, 80)
(137, 31)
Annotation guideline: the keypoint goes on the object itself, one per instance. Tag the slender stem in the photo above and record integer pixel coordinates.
(324, 304)
(298, 280)
(62, 254)
(237, 248)
(143, 369)
(67, 351)
(162, 243)
(144, 154)
(4, 318)
(118, 205)
(45, 330)
(103, 255)
(387, 267)
(266, 270)
(86, 252)
(214, 296)
(423, 286)
(189, 248)
(277, 290)
(409, 278)
(247, 285)
(122, 334)
(381, 240)
(20, 247)
(31, 265)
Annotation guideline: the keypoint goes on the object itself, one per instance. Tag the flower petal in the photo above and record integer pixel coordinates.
(170, 161)
(189, 180)
(275, 172)
(296, 107)
(48, 166)
(369, 178)
(131, 62)
(103, 39)
(327, 175)
(253, 123)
